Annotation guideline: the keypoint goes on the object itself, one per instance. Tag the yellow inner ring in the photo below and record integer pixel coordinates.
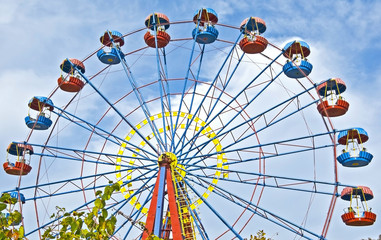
(208, 132)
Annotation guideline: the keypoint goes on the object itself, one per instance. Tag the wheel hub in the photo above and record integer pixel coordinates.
(168, 159)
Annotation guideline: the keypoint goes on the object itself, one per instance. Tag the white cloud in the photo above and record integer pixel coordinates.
(7, 12)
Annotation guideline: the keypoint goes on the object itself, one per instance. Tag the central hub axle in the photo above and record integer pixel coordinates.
(167, 159)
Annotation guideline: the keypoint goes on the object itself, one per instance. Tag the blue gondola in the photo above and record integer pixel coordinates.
(39, 123)
(111, 54)
(205, 32)
(110, 57)
(296, 47)
(292, 71)
(20, 197)
(297, 66)
(353, 139)
(363, 159)
(205, 35)
(42, 121)
(15, 194)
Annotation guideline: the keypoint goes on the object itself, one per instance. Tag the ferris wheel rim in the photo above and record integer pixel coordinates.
(334, 193)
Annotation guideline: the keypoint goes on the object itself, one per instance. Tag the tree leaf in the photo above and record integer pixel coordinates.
(98, 203)
(21, 232)
(95, 211)
(5, 198)
(110, 227)
(116, 187)
(113, 220)
(104, 213)
(15, 217)
(14, 200)
(3, 206)
(74, 226)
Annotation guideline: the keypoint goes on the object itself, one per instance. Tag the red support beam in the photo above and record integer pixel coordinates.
(174, 213)
(152, 211)
(175, 219)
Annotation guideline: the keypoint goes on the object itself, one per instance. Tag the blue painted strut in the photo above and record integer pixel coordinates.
(114, 108)
(75, 179)
(208, 122)
(193, 95)
(262, 145)
(160, 202)
(160, 81)
(142, 188)
(210, 87)
(213, 210)
(89, 125)
(149, 197)
(219, 134)
(282, 221)
(221, 92)
(185, 84)
(85, 152)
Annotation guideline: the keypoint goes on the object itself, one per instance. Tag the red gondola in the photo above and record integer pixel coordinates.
(162, 37)
(74, 84)
(358, 215)
(251, 28)
(333, 104)
(350, 219)
(157, 25)
(20, 167)
(339, 108)
(73, 81)
(253, 45)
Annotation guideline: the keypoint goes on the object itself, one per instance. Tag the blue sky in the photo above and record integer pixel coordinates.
(344, 37)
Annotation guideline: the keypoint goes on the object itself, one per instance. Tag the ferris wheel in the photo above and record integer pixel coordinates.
(211, 131)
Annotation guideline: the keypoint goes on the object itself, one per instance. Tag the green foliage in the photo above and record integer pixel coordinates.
(153, 237)
(260, 236)
(80, 225)
(74, 225)
(9, 219)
